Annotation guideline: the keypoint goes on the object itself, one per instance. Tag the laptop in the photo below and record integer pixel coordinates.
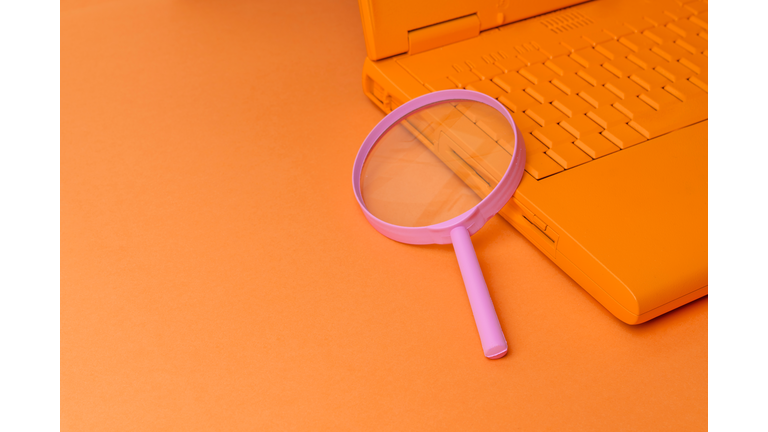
(611, 99)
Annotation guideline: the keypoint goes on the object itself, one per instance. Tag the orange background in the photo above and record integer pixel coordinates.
(217, 274)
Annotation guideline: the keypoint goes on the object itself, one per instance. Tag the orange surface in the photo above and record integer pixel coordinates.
(217, 274)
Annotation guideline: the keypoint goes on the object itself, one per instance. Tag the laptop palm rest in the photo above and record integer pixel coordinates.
(641, 212)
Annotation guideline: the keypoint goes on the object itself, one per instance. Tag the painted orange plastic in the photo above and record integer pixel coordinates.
(217, 274)
(442, 34)
(618, 104)
(387, 23)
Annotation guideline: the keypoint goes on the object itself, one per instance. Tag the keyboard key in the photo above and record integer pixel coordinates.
(669, 51)
(700, 81)
(646, 59)
(509, 146)
(638, 24)
(574, 43)
(616, 30)
(486, 87)
(511, 81)
(621, 67)
(684, 28)
(700, 20)
(623, 87)
(693, 44)
(571, 105)
(580, 126)
(658, 123)
(486, 70)
(494, 158)
(595, 75)
(677, 12)
(613, 50)
(533, 57)
(463, 78)
(658, 99)
(623, 136)
(540, 165)
(553, 49)
(685, 90)
(509, 65)
(696, 7)
(533, 146)
(704, 35)
(659, 19)
(607, 116)
(537, 73)
(599, 97)
(466, 130)
(466, 110)
(595, 145)
(562, 65)
(674, 71)
(636, 42)
(567, 155)
(588, 57)
(571, 84)
(596, 36)
(696, 62)
(517, 101)
(649, 79)
(469, 112)
(524, 123)
(633, 107)
(661, 35)
(552, 134)
(496, 127)
(546, 114)
(544, 92)
(440, 84)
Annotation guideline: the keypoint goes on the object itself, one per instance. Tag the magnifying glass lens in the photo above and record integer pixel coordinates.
(436, 163)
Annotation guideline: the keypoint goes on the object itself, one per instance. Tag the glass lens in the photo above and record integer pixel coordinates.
(436, 163)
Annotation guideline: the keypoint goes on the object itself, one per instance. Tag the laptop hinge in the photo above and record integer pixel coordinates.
(447, 32)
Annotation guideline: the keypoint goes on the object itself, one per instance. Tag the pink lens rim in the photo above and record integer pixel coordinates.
(472, 219)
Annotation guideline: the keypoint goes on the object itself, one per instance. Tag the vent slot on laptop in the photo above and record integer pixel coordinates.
(567, 20)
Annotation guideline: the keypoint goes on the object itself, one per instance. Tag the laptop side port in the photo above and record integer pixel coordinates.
(379, 87)
(376, 93)
(531, 226)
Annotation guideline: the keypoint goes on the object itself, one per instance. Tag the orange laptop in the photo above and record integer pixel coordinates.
(611, 99)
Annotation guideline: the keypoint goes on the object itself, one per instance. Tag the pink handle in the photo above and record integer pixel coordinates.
(491, 336)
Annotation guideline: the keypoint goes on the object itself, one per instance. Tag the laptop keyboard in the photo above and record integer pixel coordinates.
(596, 86)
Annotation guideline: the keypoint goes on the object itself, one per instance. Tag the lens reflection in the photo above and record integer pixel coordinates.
(436, 163)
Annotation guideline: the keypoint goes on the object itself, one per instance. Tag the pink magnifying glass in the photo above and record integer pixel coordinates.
(434, 171)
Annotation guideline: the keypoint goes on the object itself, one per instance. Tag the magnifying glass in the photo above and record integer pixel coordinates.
(433, 171)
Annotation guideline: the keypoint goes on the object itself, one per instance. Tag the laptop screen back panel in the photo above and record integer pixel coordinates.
(387, 23)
